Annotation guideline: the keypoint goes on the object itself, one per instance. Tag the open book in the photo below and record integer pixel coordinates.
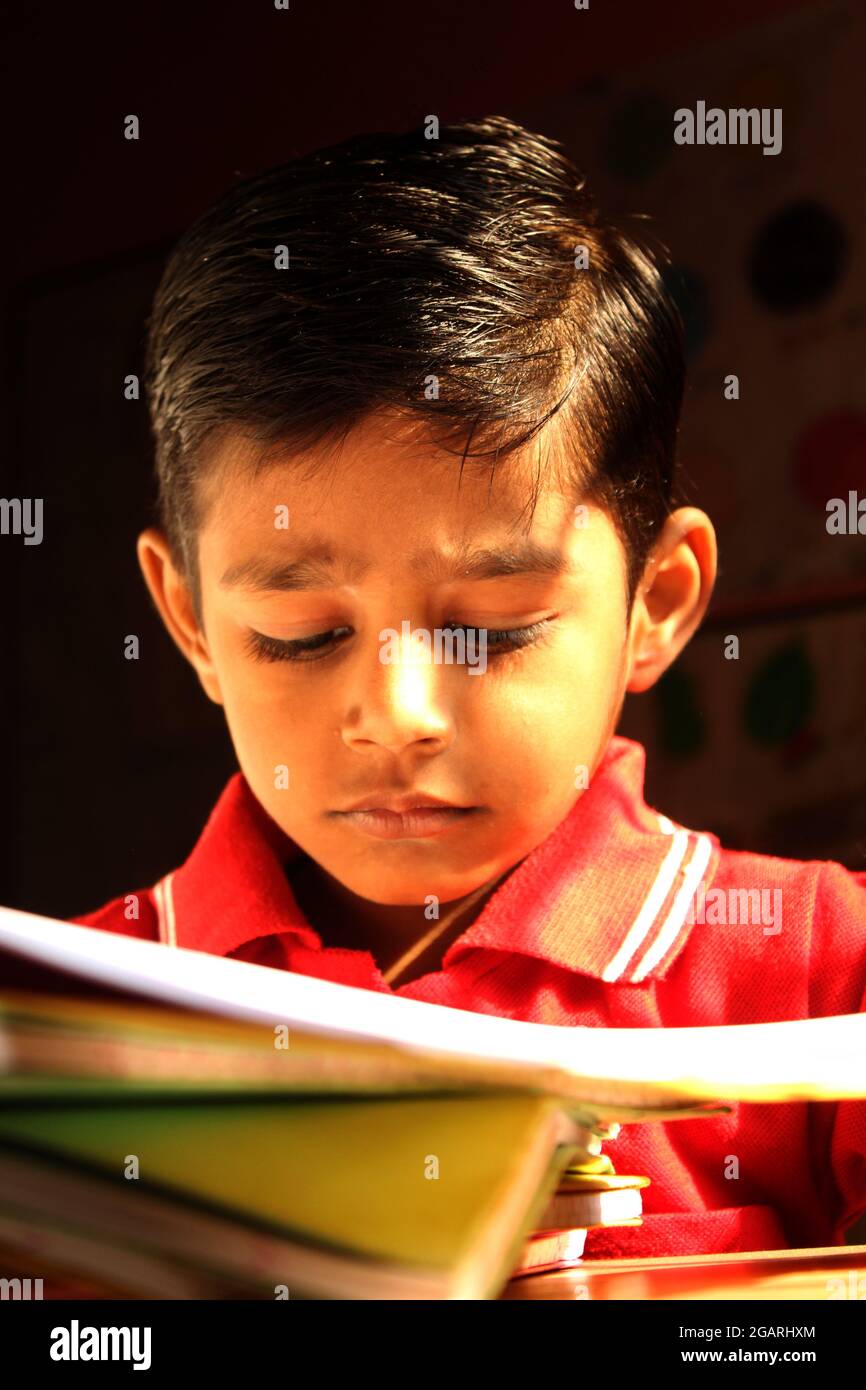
(613, 1074)
(318, 1138)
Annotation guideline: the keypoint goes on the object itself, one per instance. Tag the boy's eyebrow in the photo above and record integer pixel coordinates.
(317, 567)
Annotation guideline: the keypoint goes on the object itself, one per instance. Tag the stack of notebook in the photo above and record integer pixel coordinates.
(590, 1193)
(179, 1125)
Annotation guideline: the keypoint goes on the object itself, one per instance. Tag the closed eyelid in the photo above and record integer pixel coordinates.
(263, 648)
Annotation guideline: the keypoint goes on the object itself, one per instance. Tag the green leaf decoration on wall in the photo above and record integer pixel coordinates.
(780, 696)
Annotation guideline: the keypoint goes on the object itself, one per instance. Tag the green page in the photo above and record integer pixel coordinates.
(353, 1175)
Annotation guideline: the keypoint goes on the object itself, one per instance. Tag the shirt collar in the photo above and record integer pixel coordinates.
(606, 894)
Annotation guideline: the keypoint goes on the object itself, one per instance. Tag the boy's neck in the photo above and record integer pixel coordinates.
(387, 931)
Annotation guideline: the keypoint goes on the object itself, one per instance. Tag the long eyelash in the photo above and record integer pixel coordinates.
(501, 640)
(513, 637)
(263, 648)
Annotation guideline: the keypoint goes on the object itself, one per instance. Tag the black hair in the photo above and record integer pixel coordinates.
(477, 261)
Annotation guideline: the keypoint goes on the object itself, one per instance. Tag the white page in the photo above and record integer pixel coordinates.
(811, 1059)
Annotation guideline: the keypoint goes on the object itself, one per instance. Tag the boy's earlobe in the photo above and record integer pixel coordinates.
(171, 595)
(652, 656)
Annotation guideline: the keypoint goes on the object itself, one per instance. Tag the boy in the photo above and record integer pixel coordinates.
(422, 666)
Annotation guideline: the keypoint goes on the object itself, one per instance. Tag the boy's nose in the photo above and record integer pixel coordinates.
(400, 700)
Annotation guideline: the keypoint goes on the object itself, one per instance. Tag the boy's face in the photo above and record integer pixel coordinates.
(341, 727)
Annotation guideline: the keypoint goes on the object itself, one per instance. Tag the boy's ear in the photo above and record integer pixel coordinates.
(672, 596)
(172, 597)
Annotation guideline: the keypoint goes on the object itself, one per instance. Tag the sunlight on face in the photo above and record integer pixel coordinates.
(382, 537)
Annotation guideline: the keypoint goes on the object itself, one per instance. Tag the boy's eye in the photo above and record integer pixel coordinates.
(499, 640)
(263, 648)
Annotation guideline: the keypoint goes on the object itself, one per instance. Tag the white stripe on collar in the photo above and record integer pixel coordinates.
(164, 897)
(653, 902)
(672, 925)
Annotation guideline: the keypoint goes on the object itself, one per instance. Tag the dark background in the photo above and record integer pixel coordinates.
(110, 767)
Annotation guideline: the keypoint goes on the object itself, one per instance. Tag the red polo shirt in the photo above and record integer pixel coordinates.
(615, 920)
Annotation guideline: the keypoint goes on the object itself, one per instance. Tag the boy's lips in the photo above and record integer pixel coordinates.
(401, 802)
(410, 815)
(419, 822)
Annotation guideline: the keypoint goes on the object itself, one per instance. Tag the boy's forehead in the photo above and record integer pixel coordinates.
(275, 534)
(398, 471)
(386, 498)
(376, 505)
